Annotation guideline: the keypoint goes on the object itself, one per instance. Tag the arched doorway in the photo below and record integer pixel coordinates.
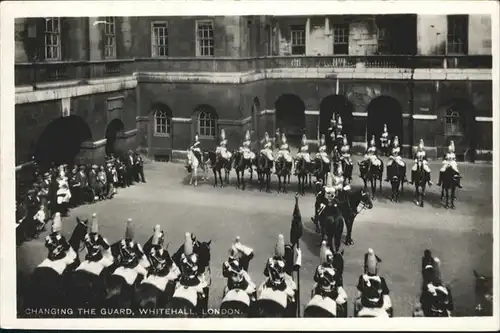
(114, 132)
(341, 106)
(384, 110)
(60, 142)
(290, 117)
(458, 120)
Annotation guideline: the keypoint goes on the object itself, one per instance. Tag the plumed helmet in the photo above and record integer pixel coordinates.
(283, 138)
(57, 223)
(438, 278)
(266, 135)
(345, 139)
(372, 141)
(94, 224)
(339, 121)
(188, 245)
(339, 170)
(396, 141)
(385, 128)
(371, 262)
(304, 139)
(322, 139)
(421, 143)
(196, 136)
(279, 250)
(451, 147)
(222, 134)
(325, 254)
(333, 119)
(129, 231)
(329, 180)
(159, 233)
(156, 238)
(247, 135)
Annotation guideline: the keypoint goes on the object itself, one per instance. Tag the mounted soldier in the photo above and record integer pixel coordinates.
(395, 157)
(421, 156)
(190, 270)
(235, 269)
(371, 153)
(161, 262)
(333, 129)
(436, 299)
(373, 293)
(304, 150)
(267, 147)
(196, 148)
(57, 245)
(384, 140)
(339, 134)
(449, 161)
(245, 147)
(130, 253)
(345, 151)
(284, 149)
(222, 148)
(338, 181)
(322, 150)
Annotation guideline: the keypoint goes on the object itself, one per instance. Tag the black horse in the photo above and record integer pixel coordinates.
(217, 162)
(321, 169)
(264, 167)
(347, 171)
(332, 223)
(484, 295)
(396, 175)
(283, 171)
(349, 209)
(303, 169)
(240, 165)
(371, 173)
(421, 177)
(449, 184)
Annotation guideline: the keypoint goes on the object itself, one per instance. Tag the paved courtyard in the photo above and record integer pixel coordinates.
(399, 233)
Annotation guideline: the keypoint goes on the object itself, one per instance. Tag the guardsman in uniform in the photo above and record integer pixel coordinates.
(421, 156)
(322, 154)
(284, 149)
(384, 139)
(395, 157)
(96, 244)
(190, 271)
(372, 288)
(338, 130)
(333, 128)
(449, 162)
(196, 148)
(130, 252)
(235, 269)
(161, 262)
(222, 148)
(267, 147)
(327, 280)
(436, 296)
(245, 147)
(304, 150)
(345, 151)
(338, 180)
(371, 153)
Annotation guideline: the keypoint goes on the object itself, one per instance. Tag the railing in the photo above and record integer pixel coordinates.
(41, 72)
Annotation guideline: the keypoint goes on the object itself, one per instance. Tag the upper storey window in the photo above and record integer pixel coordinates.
(109, 38)
(457, 39)
(159, 39)
(298, 38)
(341, 39)
(52, 38)
(205, 38)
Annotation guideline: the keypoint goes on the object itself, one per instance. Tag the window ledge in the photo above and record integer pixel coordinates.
(203, 137)
(162, 135)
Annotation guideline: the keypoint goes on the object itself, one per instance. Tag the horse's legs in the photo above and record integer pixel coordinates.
(446, 197)
(243, 179)
(453, 197)
(348, 237)
(220, 178)
(285, 189)
(237, 179)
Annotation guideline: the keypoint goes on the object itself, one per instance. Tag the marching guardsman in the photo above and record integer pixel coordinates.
(276, 273)
(304, 150)
(345, 151)
(327, 280)
(395, 156)
(449, 162)
(384, 138)
(322, 154)
(235, 268)
(371, 153)
(284, 149)
(222, 149)
(245, 147)
(161, 262)
(267, 147)
(55, 242)
(196, 148)
(421, 156)
(130, 252)
(372, 288)
(435, 294)
(96, 244)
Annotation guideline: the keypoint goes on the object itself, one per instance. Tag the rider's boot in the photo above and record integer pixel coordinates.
(458, 183)
(440, 178)
(429, 179)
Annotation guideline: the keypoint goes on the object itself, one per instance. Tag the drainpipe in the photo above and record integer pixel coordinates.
(411, 104)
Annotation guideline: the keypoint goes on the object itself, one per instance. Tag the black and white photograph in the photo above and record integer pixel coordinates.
(261, 163)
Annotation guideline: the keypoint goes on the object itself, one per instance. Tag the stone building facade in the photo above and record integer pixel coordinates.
(85, 86)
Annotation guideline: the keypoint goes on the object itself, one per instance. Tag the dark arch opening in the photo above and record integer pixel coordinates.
(114, 131)
(341, 106)
(384, 110)
(60, 142)
(291, 117)
(465, 138)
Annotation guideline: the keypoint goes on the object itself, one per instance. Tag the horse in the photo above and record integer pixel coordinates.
(449, 184)
(192, 167)
(349, 209)
(283, 170)
(323, 305)
(370, 172)
(217, 162)
(264, 167)
(346, 171)
(240, 165)
(192, 301)
(484, 295)
(321, 169)
(303, 171)
(272, 301)
(420, 181)
(396, 177)
(331, 224)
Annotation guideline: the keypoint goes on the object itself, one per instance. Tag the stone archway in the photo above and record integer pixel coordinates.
(290, 117)
(384, 110)
(339, 105)
(60, 142)
(114, 134)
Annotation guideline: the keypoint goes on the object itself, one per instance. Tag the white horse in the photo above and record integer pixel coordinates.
(192, 165)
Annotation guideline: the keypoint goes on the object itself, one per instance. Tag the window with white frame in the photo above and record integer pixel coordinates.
(457, 39)
(163, 123)
(109, 38)
(382, 41)
(207, 124)
(298, 38)
(52, 36)
(341, 39)
(453, 124)
(205, 38)
(159, 42)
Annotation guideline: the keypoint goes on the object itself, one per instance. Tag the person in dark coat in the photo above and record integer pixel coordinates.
(130, 164)
(93, 183)
(139, 162)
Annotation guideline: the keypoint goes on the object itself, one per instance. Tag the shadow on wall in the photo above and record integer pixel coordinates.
(384, 110)
(290, 117)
